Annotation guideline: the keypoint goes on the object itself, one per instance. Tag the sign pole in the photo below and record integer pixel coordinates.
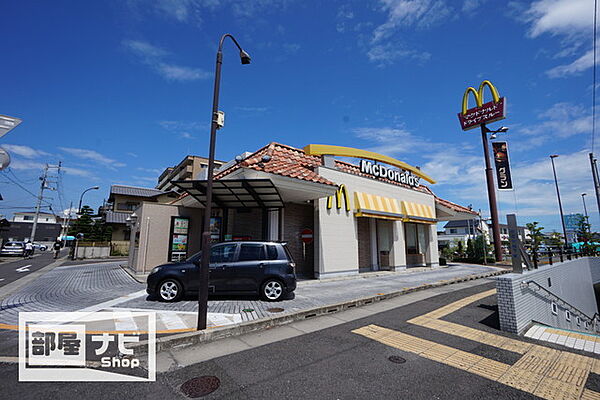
(491, 195)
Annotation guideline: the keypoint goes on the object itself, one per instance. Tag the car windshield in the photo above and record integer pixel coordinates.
(14, 244)
(194, 258)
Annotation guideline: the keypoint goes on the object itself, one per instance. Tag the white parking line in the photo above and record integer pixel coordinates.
(172, 320)
(125, 322)
(23, 269)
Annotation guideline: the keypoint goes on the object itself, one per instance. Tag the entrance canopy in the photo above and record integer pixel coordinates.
(235, 193)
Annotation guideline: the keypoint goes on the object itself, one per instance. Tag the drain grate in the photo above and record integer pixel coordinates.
(275, 309)
(397, 359)
(201, 386)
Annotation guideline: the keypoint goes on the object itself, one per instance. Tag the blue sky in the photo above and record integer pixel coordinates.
(119, 90)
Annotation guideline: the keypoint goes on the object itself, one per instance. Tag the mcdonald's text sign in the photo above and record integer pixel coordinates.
(482, 113)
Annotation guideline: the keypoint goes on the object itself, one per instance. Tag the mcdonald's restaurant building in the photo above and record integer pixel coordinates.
(337, 217)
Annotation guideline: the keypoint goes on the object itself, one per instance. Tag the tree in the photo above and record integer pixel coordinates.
(584, 232)
(535, 234)
(470, 249)
(93, 229)
(459, 248)
(555, 240)
(84, 223)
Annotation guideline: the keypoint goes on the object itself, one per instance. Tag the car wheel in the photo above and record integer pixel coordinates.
(272, 290)
(170, 290)
(43, 248)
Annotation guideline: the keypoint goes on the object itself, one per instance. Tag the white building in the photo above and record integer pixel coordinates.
(43, 218)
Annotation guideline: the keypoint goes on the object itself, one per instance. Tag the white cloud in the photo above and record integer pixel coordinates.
(77, 172)
(385, 54)
(571, 20)
(470, 6)
(560, 17)
(93, 155)
(154, 57)
(24, 151)
(27, 165)
(419, 13)
(579, 65)
(179, 73)
(560, 121)
(253, 109)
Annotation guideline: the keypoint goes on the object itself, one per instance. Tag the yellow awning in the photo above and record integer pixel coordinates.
(371, 205)
(416, 212)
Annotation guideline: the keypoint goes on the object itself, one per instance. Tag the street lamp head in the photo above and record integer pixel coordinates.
(553, 155)
(493, 136)
(96, 187)
(503, 129)
(583, 194)
(245, 57)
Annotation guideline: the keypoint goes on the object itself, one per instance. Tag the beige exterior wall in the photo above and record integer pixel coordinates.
(337, 238)
(153, 225)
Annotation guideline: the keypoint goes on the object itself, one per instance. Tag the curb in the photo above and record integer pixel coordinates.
(132, 274)
(198, 337)
(12, 287)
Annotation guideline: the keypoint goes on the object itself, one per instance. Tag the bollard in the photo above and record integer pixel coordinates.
(560, 253)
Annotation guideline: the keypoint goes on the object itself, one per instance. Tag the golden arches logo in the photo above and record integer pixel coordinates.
(479, 95)
(342, 191)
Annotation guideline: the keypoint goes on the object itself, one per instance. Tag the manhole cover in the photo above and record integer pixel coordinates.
(201, 386)
(274, 309)
(397, 359)
(248, 310)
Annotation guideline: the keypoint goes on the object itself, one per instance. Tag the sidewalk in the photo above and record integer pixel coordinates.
(106, 286)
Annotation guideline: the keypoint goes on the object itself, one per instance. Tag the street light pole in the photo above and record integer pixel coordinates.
(214, 125)
(562, 217)
(491, 193)
(81, 197)
(584, 207)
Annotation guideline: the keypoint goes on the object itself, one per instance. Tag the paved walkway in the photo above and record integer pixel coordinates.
(106, 286)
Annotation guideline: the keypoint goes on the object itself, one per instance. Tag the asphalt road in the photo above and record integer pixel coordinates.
(14, 268)
(333, 363)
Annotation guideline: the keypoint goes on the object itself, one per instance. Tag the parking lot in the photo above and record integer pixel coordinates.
(107, 286)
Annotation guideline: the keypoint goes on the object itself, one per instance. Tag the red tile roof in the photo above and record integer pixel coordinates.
(280, 159)
(292, 162)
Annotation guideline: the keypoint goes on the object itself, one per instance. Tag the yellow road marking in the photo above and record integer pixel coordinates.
(542, 371)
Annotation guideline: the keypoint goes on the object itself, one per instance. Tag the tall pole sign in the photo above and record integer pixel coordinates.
(479, 115)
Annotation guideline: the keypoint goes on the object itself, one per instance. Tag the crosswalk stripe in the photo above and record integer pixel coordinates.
(172, 321)
(124, 321)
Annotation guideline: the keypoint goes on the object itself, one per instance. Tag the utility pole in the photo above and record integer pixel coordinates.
(595, 177)
(43, 186)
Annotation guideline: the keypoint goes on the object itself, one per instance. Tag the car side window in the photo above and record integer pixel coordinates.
(222, 254)
(272, 252)
(252, 252)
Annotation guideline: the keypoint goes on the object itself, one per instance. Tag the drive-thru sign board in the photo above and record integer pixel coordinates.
(306, 235)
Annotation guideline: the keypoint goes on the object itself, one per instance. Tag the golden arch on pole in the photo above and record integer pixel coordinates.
(479, 95)
(342, 191)
(341, 151)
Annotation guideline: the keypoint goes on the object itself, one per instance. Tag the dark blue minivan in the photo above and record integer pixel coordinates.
(266, 268)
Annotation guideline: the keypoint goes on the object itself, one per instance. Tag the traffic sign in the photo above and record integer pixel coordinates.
(306, 235)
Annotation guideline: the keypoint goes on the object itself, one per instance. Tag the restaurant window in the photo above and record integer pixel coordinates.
(416, 238)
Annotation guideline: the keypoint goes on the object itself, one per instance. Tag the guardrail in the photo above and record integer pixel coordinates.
(549, 257)
(594, 320)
